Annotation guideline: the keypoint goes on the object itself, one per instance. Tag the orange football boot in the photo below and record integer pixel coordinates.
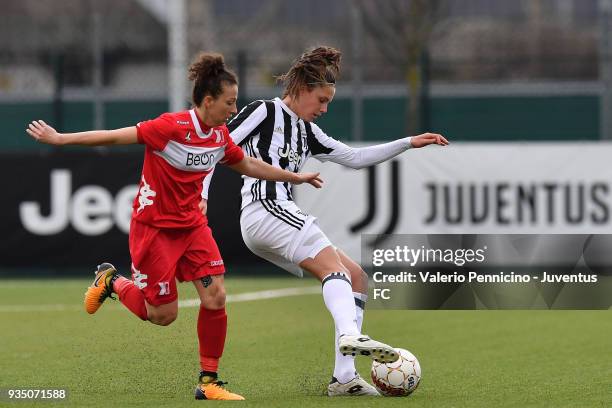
(101, 288)
(215, 390)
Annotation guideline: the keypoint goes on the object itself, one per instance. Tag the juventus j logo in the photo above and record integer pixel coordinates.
(372, 207)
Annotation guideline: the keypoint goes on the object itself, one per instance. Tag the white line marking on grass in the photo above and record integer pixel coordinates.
(38, 308)
(240, 297)
(263, 294)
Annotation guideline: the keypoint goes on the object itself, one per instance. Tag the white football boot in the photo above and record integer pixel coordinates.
(356, 387)
(361, 344)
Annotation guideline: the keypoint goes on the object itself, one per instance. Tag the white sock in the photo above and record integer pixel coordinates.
(338, 297)
(344, 368)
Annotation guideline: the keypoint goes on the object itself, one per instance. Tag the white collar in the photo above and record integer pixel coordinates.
(286, 108)
(196, 125)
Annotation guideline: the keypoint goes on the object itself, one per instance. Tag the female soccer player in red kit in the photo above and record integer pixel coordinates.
(169, 236)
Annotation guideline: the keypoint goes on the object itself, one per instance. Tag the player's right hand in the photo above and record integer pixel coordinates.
(44, 133)
(311, 178)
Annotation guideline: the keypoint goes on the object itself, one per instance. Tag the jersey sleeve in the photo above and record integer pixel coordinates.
(249, 118)
(233, 153)
(155, 133)
(324, 148)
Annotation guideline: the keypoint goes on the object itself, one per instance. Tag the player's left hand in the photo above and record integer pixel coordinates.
(427, 139)
(311, 178)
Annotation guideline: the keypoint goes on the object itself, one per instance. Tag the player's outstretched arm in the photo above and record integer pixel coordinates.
(44, 133)
(256, 168)
(360, 157)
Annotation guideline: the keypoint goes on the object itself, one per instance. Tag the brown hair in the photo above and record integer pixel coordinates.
(317, 67)
(208, 72)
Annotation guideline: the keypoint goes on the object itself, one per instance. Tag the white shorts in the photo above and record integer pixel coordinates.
(281, 233)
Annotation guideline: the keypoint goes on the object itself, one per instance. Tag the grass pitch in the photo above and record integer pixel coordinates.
(279, 352)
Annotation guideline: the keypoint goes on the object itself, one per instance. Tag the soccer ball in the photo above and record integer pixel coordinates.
(397, 379)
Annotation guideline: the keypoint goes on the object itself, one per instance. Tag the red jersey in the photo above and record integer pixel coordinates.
(180, 151)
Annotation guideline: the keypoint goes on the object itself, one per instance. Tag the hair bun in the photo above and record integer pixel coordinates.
(207, 65)
(317, 67)
(323, 54)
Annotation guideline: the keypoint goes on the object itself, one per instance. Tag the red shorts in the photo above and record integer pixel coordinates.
(160, 256)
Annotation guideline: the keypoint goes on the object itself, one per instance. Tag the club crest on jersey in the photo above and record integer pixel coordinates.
(188, 136)
(290, 154)
(219, 135)
(278, 129)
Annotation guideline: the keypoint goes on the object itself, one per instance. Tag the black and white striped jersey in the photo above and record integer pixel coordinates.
(270, 131)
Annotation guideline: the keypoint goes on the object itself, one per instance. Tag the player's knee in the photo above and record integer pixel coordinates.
(167, 320)
(328, 266)
(219, 300)
(215, 299)
(163, 319)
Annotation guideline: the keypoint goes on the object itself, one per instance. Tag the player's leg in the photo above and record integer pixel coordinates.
(271, 236)
(109, 281)
(277, 232)
(339, 299)
(359, 280)
(202, 264)
(344, 367)
(345, 380)
(212, 322)
(338, 296)
(336, 287)
(151, 293)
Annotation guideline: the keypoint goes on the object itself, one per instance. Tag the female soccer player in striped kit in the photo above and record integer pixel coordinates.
(281, 133)
(169, 236)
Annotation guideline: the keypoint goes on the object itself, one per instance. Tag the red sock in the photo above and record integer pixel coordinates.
(212, 327)
(131, 296)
